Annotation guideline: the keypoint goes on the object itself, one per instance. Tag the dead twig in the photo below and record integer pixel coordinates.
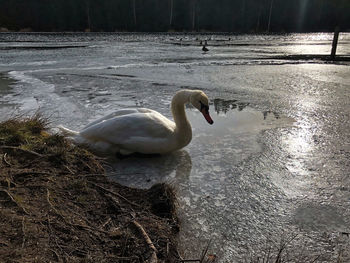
(69, 170)
(114, 201)
(106, 223)
(21, 149)
(55, 237)
(29, 172)
(316, 258)
(205, 251)
(167, 248)
(79, 252)
(5, 161)
(23, 232)
(14, 200)
(116, 194)
(178, 255)
(283, 248)
(125, 243)
(153, 258)
(340, 256)
(53, 208)
(3, 243)
(86, 164)
(56, 254)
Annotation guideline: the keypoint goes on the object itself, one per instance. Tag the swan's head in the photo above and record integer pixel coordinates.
(200, 101)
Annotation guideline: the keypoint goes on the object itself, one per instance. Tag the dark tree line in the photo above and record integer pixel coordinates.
(176, 15)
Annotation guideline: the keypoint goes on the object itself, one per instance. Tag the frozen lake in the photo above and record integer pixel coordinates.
(276, 162)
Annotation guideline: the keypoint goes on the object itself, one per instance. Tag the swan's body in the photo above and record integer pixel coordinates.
(142, 130)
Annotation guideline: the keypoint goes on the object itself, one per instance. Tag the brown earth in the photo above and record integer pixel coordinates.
(57, 205)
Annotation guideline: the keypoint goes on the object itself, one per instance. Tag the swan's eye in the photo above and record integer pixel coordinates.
(204, 107)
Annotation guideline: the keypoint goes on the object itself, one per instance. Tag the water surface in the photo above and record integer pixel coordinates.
(275, 163)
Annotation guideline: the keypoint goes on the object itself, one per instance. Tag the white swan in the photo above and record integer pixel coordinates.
(143, 130)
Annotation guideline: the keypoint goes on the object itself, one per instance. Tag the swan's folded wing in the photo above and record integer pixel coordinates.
(128, 129)
(117, 113)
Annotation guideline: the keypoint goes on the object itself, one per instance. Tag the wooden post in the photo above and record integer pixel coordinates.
(335, 43)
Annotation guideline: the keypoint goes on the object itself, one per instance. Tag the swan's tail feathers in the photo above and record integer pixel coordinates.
(67, 132)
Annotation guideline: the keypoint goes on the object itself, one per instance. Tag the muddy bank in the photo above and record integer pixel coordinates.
(58, 206)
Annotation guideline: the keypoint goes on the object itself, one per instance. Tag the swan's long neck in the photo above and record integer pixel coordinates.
(183, 127)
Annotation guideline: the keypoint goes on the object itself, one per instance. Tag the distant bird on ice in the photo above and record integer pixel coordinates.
(204, 48)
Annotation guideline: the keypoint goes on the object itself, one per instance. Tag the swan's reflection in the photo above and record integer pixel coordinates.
(144, 172)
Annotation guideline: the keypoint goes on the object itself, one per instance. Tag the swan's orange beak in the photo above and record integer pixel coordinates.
(206, 115)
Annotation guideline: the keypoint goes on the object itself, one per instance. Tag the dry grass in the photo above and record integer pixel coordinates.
(56, 205)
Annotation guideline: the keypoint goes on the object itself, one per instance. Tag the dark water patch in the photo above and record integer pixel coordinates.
(228, 43)
(6, 90)
(79, 75)
(5, 84)
(41, 47)
(98, 76)
(159, 84)
(307, 57)
(311, 216)
(123, 75)
(235, 60)
(23, 41)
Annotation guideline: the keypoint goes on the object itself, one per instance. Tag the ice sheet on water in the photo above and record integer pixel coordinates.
(277, 154)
